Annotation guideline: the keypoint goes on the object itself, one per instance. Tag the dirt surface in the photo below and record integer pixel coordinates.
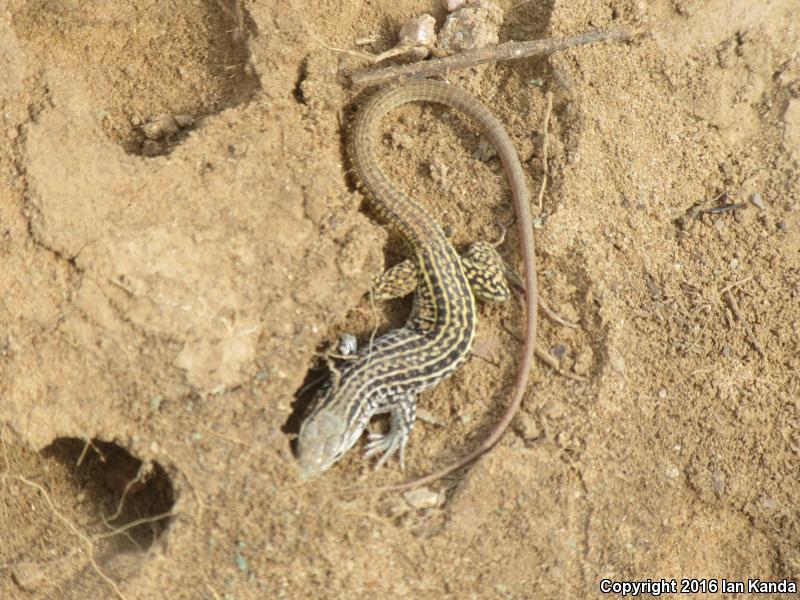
(168, 282)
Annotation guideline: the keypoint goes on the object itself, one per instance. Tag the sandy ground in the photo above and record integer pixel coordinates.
(168, 297)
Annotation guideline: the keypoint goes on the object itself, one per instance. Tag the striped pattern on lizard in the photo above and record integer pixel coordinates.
(387, 375)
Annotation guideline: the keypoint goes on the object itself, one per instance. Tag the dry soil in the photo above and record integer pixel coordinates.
(167, 286)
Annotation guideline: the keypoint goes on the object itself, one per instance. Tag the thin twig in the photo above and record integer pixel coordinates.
(551, 362)
(508, 51)
(140, 475)
(213, 591)
(750, 335)
(88, 444)
(735, 284)
(547, 112)
(130, 525)
(222, 436)
(554, 316)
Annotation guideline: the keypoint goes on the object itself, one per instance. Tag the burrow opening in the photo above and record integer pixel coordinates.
(127, 501)
(153, 72)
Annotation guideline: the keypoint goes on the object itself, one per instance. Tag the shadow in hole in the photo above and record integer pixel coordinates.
(121, 488)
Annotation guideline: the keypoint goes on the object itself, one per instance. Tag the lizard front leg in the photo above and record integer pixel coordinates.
(403, 411)
(489, 276)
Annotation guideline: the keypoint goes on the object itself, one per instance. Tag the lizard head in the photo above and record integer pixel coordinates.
(325, 435)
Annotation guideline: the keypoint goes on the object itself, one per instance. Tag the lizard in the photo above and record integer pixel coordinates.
(387, 375)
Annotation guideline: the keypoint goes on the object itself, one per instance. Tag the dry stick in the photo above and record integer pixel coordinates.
(750, 335)
(547, 112)
(508, 51)
(213, 591)
(222, 436)
(131, 524)
(735, 284)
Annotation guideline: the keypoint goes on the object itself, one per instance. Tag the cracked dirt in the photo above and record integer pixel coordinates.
(166, 292)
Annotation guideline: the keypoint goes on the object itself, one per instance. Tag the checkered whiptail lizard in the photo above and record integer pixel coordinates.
(386, 376)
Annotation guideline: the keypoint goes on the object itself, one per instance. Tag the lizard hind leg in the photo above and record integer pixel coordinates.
(487, 272)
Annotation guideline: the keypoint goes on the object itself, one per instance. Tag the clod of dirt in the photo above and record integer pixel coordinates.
(160, 127)
(164, 131)
(471, 27)
(27, 575)
(527, 427)
(184, 121)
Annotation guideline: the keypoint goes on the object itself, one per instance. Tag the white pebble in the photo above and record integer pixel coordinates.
(418, 32)
(423, 498)
(451, 5)
(348, 344)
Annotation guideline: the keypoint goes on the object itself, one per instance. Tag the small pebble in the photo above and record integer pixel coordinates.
(160, 127)
(662, 393)
(734, 264)
(758, 201)
(418, 32)
(438, 170)
(184, 120)
(616, 361)
(451, 5)
(423, 498)
(348, 344)
(718, 482)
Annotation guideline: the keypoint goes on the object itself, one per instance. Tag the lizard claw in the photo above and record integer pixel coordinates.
(389, 445)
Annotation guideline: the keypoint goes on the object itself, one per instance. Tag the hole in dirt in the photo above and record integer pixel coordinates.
(302, 75)
(130, 499)
(154, 69)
